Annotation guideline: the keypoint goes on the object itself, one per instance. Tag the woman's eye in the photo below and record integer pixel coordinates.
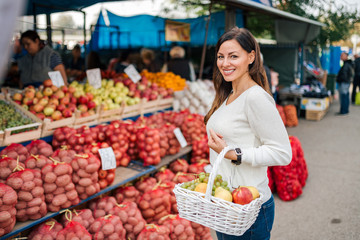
(220, 57)
(233, 56)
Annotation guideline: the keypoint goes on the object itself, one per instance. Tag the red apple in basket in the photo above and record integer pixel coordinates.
(242, 195)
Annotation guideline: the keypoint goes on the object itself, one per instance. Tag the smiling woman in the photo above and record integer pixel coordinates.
(244, 115)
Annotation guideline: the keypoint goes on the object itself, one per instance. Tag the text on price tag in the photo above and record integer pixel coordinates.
(108, 160)
(94, 77)
(56, 78)
(132, 73)
(180, 137)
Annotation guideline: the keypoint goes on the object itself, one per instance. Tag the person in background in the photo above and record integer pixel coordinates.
(148, 61)
(76, 65)
(179, 65)
(356, 82)
(94, 61)
(343, 79)
(123, 62)
(240, 116)
(40, 60)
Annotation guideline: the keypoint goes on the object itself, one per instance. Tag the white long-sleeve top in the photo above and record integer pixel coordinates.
(252, 123)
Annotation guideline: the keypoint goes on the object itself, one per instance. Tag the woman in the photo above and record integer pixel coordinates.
(40, 60)
(243, 114)
(148, 61)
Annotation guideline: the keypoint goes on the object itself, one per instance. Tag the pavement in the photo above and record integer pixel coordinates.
(329, 207)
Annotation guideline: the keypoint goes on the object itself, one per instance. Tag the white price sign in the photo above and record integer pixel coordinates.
(94, 77)
(56, 78)
(180, 137)
(132, 73)
(108, 160)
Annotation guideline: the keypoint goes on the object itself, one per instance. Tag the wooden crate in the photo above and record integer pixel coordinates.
(88, 120)
(10, 137)
(131, 111)
(156, 105)
(315, 115)
(111, 115)
(50, 126)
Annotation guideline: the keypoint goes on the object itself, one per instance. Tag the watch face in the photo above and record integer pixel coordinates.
(237, 151)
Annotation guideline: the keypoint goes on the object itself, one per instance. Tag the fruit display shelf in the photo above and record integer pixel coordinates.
(123, 175)
(20, 133)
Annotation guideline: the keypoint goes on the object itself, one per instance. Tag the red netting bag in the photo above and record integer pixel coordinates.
(145, 184)
(61, 136)
(168, 187)
(181, 177)
(29, 187)
(198, 167)
(300, 159)
(39, 147)
(148, 143)
(164, 174)
(107, 227)
(64, 154)
(102, 206)
(46, 231)
(200, 150)
(118, 138)
(74, 230)
(154, 205)
(282, 113)
(37, 162)
(130, 217)
(291, 115)
(201, 232)
(85, 174)
(154, 232)
(8, 200)
(179, 228)
(59, 188)
(193, 128)
(14, 150)
(8, 166)
(179, 165)
(84, 217)
(127, 194)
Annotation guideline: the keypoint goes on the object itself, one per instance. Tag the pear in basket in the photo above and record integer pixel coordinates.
(201, 187)
(223, 194)
(254, 191)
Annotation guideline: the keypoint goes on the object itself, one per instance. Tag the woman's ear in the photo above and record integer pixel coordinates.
(251, 57)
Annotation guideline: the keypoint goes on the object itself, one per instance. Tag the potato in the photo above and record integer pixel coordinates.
(10, 197)
(5, 216)
(25, 196)
(14, 182)
(27, 176)
(59, 199)
(37, 192)
(50, 177)
(35, 202)
(33, 210)
(148, 213)
(108, 229)
(91, 168)
(49, 187)
(28, 186)
(63, 180)
(85, 182)
(61, 169)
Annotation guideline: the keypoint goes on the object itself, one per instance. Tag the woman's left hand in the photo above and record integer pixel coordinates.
(216, 141)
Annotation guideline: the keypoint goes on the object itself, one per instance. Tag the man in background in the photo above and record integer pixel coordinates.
(343, 79)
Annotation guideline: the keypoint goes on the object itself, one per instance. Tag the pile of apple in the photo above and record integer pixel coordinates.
(52, 102)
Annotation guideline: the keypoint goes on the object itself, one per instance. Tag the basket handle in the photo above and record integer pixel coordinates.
(213, 173)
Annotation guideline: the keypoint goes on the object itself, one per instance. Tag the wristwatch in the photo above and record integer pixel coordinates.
(238, 155)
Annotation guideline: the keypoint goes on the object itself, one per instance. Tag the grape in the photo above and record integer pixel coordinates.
(224, 184)
(217, 184)
(201, 178)
(214, 188)
(206, 180)
(227, 188)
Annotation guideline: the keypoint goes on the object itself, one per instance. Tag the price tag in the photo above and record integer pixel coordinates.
(180, 137)
(94, 77)
(56, 78)
(108, 160)
(132, 73)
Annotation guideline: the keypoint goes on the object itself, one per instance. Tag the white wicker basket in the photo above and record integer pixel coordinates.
(215, 213)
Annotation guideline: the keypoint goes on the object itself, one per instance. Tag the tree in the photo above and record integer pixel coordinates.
(64, 21)
(339, 20)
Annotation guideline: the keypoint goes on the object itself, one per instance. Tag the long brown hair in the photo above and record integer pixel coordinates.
(256, 69)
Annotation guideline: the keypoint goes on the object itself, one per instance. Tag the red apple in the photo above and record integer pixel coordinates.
(47, 83)
(242, 195)
(64, 88)
(43, 101)
(82, 108)
(67, 113)
(54, 88)
(60, 107)
(65, 100)
(72, 107)
(54, 101)
(40, 115)
(48, 111)
(29, 93)
(90, 96)
(60, 94)
(83, 100)
(38, 108)
(27, 101)
(71, 89)
(73, 100)
(39, 94)
(91, 104)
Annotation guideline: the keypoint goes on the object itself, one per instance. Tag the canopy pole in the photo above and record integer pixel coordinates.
(205, 42)
(84, 29)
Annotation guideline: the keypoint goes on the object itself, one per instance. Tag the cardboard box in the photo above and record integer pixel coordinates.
(314, 104)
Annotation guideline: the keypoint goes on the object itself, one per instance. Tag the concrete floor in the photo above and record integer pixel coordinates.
(329, 208)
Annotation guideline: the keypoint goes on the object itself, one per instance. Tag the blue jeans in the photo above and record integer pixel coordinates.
(344, 97)
(261, 229)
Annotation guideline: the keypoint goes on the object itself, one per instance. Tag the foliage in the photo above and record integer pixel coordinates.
(65, 21)
(339, 20)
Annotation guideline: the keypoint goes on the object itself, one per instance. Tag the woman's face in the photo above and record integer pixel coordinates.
(32, 47)
(233, 61)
